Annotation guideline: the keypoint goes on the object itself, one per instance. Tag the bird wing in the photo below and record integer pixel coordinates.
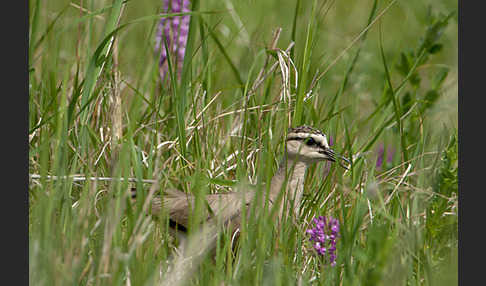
(225, 206)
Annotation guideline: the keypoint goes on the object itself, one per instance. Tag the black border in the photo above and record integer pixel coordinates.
(15, 145)
(471, 120)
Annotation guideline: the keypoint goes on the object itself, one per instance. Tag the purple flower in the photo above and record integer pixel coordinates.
(324, 235)
(381, 155)
(173, 31)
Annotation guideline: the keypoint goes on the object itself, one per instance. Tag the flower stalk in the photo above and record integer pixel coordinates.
(171, 37)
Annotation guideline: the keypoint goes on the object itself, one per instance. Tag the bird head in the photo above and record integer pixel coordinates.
(307, 144)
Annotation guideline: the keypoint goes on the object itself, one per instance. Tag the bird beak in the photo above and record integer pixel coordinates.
(332, 156)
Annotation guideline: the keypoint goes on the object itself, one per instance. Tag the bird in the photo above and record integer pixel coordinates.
(304, 146)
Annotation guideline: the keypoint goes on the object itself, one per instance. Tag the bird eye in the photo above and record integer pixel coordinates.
(310, 142)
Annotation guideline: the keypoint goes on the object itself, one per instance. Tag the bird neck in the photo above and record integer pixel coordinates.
(290, 180)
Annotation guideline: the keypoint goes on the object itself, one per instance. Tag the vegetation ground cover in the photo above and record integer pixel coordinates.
(378, 77)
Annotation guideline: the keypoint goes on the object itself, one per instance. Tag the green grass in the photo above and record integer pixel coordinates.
(387, 74)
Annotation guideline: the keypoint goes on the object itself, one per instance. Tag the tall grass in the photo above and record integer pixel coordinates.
(367, 73)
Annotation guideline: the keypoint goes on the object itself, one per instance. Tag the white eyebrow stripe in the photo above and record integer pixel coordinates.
(299, 135)
(321, 139)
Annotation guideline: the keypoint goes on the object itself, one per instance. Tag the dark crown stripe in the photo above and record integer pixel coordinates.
(305, 129)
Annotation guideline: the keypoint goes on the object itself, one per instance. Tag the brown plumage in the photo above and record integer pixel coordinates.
(178, 205)
(304, 145)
